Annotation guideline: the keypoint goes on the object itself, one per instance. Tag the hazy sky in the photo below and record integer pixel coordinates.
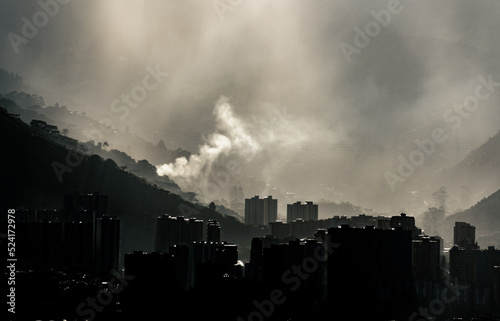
(325, 97)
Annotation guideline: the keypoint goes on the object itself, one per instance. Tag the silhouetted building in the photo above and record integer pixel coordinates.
(464, 236)
(253, 269)
(107, 245)
(151, 283)
(300, 228)
(370, 271)
(280, 229)
(83, 239)
(24, 215)
(85, 207)
(426, 259)
(496, 288)
(260, 212)
(213, 231)
(148, 266)
(404, 221)
(188, 260)
(79, 235)
(321, 236)
(176, 230)
(297, 210)
(363, 220)
(281, 263)
(407, 223)
(54, 234)
(383, 223)
(474, 269)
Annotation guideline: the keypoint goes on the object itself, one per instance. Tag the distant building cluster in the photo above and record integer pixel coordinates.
(477, 270)
(259, 212)
(262, 212)
(82, 238)
(306, 212)
(190, 265)
(188, 253)
(357, 263)
(300, 228)
(352, 267)
(177, 230)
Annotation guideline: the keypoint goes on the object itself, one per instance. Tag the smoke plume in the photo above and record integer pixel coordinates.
(230, 138)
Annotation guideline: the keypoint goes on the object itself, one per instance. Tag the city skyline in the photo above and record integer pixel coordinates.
(250, 160)
(201, 261)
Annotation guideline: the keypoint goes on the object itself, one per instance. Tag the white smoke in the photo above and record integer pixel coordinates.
(230, 137)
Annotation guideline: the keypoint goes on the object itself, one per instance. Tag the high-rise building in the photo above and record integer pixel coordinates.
(293, 212)
(148, 272)
(107, 245)
(85, 207)
(278, 260)
(213, 231)
(85, 239)
(474, 270)
(176, 230)
(188, 260)
(306, 212)
(407, 223)
(473, 266)
(496, 288)
(78, 237)
(371, 270)
(426, 258)
(270, 209)
(464, 235)
(252, 208)
(260, 212)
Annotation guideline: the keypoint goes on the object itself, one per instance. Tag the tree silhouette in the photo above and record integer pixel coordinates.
(440, 197)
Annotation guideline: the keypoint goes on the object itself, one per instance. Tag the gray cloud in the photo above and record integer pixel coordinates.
(351, 120)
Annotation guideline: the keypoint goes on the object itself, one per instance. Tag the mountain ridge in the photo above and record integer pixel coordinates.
(485, 216)
(30, 181)
(478, 173)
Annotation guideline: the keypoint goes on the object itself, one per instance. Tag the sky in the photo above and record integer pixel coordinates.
(322, 99)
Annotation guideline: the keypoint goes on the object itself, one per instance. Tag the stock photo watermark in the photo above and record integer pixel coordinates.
(30, 27)
(363, 37)
(437, 306)
(293, 278)
(104, 297)
(130, 100)
(427, 147)
(11, 260)
(275, 121)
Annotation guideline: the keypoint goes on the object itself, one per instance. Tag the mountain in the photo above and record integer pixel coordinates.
(485, 216)
(80, 126)
(30, 112)
(478, 174)
(36, 172)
